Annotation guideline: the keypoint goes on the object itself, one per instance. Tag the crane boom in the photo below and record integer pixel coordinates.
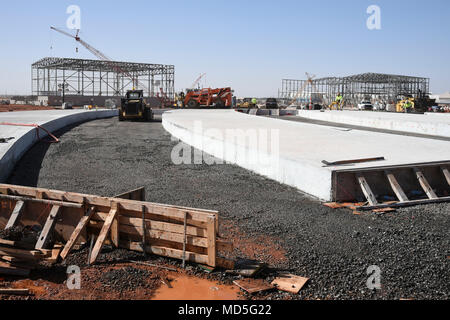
(101, 56)
(306, 83)
(197, 81)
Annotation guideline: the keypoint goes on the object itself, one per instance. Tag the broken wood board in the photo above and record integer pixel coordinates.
(13, 291)
(290, 283)
(8, 269)
(253, 285)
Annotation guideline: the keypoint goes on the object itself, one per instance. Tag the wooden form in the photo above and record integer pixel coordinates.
(136, 225)
(404, 201)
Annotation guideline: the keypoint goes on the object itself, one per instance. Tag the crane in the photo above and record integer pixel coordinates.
(101, 56)
(305, 84)
(197, 81)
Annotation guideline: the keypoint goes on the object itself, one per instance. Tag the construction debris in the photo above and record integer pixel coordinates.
(290, 283)
(12, 291)
(253, 285)
(77, 217)
(344, 162)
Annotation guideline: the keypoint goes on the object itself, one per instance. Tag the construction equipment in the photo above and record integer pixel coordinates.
(102, 56)
(207, 97)
(421, 104)
(133, 107)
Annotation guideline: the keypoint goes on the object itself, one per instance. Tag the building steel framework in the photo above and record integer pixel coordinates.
(384, 88)
(101, 78)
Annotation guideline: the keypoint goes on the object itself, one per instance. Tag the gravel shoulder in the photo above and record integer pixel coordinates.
(333, 248)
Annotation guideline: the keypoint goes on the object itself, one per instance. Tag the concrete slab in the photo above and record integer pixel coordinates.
(430, 124)
(25, 137)
(292, 152)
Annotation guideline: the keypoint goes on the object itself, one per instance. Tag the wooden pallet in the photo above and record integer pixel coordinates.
(177, 232)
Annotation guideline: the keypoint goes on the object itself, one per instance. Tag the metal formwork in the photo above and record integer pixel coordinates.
(385, 88)
(100, 78)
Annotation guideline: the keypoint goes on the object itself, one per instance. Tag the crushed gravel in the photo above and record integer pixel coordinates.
(333, 248)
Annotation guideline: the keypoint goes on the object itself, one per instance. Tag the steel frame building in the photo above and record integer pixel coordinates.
(101, 78)
(384, 88)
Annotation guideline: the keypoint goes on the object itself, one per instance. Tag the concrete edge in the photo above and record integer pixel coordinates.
(302, 176)
(27, 140)
(441, 129)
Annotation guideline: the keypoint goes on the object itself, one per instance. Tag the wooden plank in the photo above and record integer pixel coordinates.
(6, 268)
(48, 228)
(21, 253)
(45, 201)
(136, 194)
(154, 225)
(166, 252)
(406, 204)
(115, 233)
(177, 254)
(253, 285)
(366, 190)
(197, 216)
(211, 232)
(425, 185)
(291, 283)
(14, 291)
(396, 186)
(77, 232)
(137, 231)
(16, 214)
(16, 244)
(102, 236)
(446, 173)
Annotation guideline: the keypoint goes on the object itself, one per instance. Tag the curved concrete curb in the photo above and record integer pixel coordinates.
(429, 124)
(25, 137)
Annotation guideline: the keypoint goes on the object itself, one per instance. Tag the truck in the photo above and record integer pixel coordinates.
(134, 107)
(207, 97)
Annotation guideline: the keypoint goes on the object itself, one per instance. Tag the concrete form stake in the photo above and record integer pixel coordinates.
(143, 231)
(90, 250)
(184, 240)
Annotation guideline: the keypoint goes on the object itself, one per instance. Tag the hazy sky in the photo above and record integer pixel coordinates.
(248, 45)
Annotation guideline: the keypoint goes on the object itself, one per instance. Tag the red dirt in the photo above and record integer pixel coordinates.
(15, 107)
(262, 248)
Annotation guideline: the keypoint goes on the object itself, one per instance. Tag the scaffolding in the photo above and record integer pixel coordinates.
(376, 87)
(57, 76)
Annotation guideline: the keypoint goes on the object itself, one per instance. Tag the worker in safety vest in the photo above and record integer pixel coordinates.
(339, 101)
(407, 105)
(254, 102)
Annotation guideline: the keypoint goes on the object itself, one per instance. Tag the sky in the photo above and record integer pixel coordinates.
(250, 45)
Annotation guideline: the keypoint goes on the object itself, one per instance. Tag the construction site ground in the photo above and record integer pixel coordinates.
(265, 220)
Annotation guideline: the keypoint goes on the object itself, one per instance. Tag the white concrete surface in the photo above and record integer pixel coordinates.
(429, 124)
(25, 137)
(296, 159)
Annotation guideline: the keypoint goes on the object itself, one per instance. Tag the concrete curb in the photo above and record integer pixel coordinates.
(22, 144)
(413, 123)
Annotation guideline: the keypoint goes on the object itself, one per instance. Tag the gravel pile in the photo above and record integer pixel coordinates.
(126, 279)
(333, 248)
(25, 234)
